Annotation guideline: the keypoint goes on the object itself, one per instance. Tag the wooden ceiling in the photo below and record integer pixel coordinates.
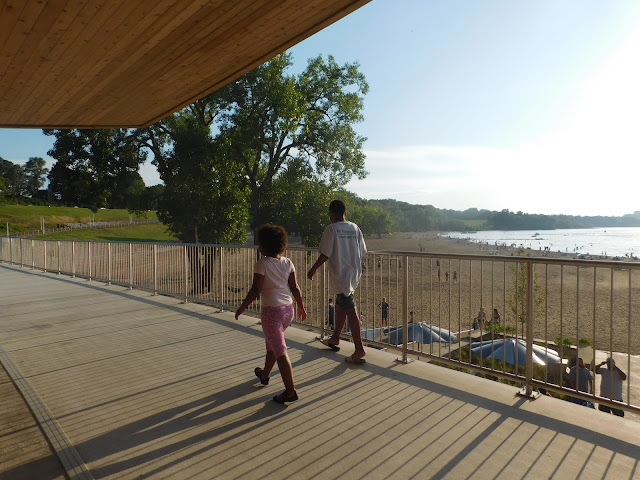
(130, 63)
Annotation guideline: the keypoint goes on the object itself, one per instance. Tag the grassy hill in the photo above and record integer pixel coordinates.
(24, 218)
(152, 232)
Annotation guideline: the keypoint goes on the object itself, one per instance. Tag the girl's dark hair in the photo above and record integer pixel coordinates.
(272, 239)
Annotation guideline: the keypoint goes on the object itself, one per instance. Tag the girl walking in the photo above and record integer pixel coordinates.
(274, 279)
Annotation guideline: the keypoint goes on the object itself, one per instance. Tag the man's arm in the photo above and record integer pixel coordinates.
(623, 375)
(321, 259)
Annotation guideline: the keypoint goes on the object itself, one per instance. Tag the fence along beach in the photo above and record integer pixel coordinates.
(577, 301)
(582, 299)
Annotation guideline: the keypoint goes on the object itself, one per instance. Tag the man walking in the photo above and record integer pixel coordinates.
(343, 246)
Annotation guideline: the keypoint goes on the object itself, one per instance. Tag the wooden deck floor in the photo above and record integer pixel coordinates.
(136, 386)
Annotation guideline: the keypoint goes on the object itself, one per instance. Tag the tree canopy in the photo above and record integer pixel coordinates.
(270, 144)
(93, 167)
(12, 176)
(34, 175)
(18, 180)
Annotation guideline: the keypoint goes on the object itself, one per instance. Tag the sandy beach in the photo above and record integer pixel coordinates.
(575, 302)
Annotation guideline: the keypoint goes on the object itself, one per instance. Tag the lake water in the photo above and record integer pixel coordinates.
(616, 241)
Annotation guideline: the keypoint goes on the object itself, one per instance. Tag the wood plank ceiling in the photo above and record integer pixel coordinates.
(130, 63)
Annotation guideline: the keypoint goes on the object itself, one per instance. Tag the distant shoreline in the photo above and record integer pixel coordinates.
(435, 242)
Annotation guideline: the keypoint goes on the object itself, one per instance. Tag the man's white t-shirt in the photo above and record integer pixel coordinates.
(275, 289)
(609, 377)
(342, 242)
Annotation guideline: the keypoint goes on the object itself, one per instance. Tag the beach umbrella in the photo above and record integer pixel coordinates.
(371, 333)
(508, 349)
(446, 335)
(417, 332)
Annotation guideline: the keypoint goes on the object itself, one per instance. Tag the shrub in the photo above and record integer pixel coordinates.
(585, 342)
(566, 342)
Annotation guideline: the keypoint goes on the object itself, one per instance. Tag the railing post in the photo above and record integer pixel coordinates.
(186, 274)
(130, 266)
(405, 311)
(89, 258)
(325, 300)
(155, 269)
(73, 258)
(527, 391)
(33, 256)
(221, 281)
(44, 249)
(109, 263)
(21, 254)
(58, 254)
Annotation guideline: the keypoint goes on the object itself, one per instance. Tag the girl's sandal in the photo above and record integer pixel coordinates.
(284, 398)
(258, 372)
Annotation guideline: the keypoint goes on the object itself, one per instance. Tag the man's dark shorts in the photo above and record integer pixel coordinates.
(345, 302)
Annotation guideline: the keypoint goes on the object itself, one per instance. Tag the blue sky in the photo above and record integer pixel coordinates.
(530, 106)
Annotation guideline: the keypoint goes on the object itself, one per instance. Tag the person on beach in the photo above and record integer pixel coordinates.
(274, 279)
(342, 245)
(611, 385)
(581, 376)
(495, 318)
(480, 319)
(385, 312)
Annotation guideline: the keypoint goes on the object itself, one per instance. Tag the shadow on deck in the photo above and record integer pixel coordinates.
(147, 387)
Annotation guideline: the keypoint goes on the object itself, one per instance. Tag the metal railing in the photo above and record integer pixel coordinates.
(551, 310)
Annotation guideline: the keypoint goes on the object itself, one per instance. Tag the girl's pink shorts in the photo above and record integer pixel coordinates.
(275, 321)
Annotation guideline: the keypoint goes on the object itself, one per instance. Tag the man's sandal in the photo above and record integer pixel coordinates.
(358, 361)
(332, 346)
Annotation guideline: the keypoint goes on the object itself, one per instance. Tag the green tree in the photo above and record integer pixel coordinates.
(150, 197)
(271, 141)
(91, 163)
(12, 175)
(369, 215)
(34, 175)
(274, 122)
(375, 220)
(517, 291)
(203, 199)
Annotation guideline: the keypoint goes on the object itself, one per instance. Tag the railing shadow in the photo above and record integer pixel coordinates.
(385, 390)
